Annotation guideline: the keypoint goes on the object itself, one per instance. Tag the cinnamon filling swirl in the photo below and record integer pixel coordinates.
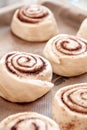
(31, 123)
(76, 99)
(24, 64)
(70, 45)
(32, 14)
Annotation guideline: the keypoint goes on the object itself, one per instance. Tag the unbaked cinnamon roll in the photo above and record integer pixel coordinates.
(70, 107)
(82, 32)
(24, 77)
(67, 54)
(34, 23)
(28, 121)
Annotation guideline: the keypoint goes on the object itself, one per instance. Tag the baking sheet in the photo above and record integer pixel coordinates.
(68, 22)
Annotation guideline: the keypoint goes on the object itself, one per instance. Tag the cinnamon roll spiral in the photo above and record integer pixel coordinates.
(34, 23)
(24, 71)
(32, 14)
(24, 64)
(28, 121)
(67, 51)
(70, 104)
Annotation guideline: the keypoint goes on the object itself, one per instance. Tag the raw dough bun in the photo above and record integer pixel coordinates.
(67, 55)
(34, 23)
(28, 121)
(82, 32)
(70, 107)
(24, 77)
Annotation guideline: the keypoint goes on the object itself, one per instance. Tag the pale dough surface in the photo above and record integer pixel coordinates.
(41, 31)
(31, 121)
(24, 89)
(82, 32)
(65, 65)
(66, 117)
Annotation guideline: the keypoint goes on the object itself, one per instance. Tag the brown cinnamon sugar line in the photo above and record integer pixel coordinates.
(75, 108)
(33, 71)
(34, 18)
(63, 45)
(21, 120)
